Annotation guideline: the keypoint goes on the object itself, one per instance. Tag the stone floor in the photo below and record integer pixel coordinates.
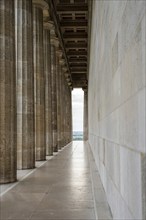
(65, 187)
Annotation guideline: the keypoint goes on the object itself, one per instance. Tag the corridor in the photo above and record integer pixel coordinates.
(60, 189)
(49, 48)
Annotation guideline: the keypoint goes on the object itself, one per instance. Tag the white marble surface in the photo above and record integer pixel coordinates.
(117, 90)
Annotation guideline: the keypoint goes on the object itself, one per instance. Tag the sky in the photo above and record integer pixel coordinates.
(77, 109)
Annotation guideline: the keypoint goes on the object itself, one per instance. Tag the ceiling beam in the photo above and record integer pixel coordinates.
(79, 77)
(76, 45)
(75, 35)
(72, 65)
(80, 23)
(79, 70)
(79, 84)
(61, 8)
(71, 61)
(77, 53)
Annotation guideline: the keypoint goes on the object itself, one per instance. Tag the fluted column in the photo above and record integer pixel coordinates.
(85, 128)
(48, 90)
(61, 103)
(59, 69)
(39, 83)
(25, 86)
(70, 115)
(64, 109)
(8, 156)
(64, 103)
(68, 109)
(54, 44)
(66, 113)
(54, 98)
(67, 106)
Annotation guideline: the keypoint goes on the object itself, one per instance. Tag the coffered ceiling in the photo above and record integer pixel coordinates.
(72, 21)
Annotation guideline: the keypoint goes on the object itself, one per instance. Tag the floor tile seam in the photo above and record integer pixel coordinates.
(34, 210)
(55, 219)
(40, 211)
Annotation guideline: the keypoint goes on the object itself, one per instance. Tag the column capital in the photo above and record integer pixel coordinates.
(59, 53)
(67, 74)
(62, 62)
(65, 69)
(68, 79)
(46, 14)
(55, 41)
(71, 87)
(41, 4)
(85, 89)
(49, 26)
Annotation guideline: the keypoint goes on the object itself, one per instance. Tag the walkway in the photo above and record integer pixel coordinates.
(61, 189)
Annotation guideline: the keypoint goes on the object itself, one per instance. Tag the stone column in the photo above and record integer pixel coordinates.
(64, 106)
(54, 44)
(69, 129)
(64, 103)
(48, 90)
(25, 85)
(61, 103)
(58, 88)
(85, 132)
(39, 82)
(68, 107)
(66, 113)
(8, 158)
(70, 115)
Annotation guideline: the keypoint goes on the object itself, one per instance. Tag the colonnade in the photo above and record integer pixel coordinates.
(35, 93)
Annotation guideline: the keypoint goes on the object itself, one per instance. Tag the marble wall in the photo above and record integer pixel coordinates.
(117, 90)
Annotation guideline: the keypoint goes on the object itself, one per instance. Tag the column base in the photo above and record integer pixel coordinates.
(55, 149)
(51, 154)
(8, 181)
(26, 168)
(40, 160)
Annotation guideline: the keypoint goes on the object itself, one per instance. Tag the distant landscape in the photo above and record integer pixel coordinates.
(77, 135)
